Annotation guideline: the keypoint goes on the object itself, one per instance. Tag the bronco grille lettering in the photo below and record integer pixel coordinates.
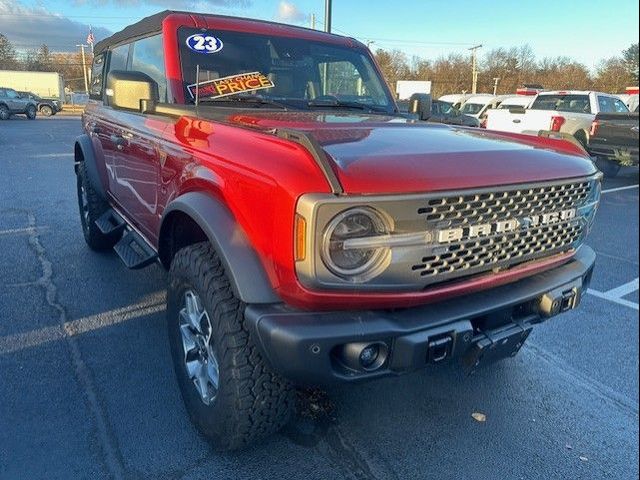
(504, 226)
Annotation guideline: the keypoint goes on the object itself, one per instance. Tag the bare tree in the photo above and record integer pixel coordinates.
(613, 75)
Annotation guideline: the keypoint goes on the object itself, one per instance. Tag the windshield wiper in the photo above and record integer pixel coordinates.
(345, 104)
(248, 99)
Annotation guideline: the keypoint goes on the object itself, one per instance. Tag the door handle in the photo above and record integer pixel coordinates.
(517, 121)
(118, 141)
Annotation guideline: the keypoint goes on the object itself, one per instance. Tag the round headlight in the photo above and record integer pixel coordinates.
(357, 263)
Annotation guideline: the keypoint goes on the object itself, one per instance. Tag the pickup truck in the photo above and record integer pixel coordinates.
(567, 112)
(613, 141)
(11, 103)
(312, 233)
(46, 106)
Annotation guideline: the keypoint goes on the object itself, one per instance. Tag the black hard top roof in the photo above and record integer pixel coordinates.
(146, 26)
(153, 24)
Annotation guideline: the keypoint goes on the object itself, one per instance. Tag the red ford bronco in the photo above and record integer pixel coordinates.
(311, 232)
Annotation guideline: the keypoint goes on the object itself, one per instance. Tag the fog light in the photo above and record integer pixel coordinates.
(363, 356)
(369, 355)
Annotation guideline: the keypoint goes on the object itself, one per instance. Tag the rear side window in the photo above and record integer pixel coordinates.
(563, 103)
(611, 105)
(119, 56)
(97, 72)
(148, 57)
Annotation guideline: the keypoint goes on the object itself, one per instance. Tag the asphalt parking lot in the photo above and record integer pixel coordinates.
(87, 388)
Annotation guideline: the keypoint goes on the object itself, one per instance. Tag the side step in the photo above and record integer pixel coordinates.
(110, 222)
(134, 251)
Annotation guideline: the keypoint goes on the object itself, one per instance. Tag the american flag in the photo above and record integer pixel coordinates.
(90, 38)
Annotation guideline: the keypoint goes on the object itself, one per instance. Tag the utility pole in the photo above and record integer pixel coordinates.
(84, 68)
(327, 16)
(474, 68)
(495, 85)
(313, 21)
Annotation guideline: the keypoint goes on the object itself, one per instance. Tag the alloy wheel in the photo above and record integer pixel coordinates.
(200, 360)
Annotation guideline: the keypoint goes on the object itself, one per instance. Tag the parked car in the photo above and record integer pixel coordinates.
(312, 238)
(11, 103)
(632, 103)
(515, 102)
(476, 105)
(613, 141)
(567, 112)
(443, 112)
(455, 100)
(45, 106)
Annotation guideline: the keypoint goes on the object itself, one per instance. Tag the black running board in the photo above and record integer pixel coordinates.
(134, 251)
(110, 222)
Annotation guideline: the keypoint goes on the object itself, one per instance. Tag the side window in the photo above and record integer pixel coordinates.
(148, 57)
(605, 104)
(119, 56)
(97, 71)
(619, 106)
(12, 94)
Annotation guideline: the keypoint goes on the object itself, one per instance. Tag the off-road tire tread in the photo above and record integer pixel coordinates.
(97, 206)
(256, 402)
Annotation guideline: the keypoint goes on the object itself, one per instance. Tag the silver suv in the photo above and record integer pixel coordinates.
(11, 103)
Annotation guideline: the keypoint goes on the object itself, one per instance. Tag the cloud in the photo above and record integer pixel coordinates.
(190, 5)
(288, 12)
(30, 27)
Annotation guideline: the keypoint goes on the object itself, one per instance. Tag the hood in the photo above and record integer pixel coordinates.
(379, 154)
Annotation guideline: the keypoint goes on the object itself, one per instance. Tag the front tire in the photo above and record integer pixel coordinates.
(5, 114)
(46, 110)
(91, 207)
(230, 393)
(31, 112)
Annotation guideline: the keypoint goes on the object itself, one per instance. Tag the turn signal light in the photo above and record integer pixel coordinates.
(300, 244)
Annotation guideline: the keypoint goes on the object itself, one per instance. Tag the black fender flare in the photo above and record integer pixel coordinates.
(84, 146)
(248, 278)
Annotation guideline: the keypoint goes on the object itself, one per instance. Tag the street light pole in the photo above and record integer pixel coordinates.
(474, 68)
(495, 85)
(327, 16)
(84, 68)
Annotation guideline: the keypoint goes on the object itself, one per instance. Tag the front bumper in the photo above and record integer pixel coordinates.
(309, 347)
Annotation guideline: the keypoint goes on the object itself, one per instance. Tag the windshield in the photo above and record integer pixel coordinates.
(472, 108)
(297, 74)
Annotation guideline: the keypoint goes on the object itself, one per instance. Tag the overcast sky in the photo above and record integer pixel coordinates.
(585, 30)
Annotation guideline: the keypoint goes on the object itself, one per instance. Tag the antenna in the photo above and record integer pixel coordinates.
(197, 85)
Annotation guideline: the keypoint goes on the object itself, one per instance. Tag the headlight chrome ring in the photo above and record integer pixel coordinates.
(356, 265)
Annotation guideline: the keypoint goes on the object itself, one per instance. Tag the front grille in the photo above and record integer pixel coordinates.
(457, 210)
(469, 256)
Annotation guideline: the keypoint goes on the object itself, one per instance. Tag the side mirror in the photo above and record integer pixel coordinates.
(420, 104)
(126, 89)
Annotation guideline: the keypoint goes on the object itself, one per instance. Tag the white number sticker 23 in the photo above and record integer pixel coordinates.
(204, 43)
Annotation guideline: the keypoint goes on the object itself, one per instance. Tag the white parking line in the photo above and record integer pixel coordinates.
(615, 294)
(624, 290)
(22, 231)
(619, 189)
(52, 155)
(33, 338)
